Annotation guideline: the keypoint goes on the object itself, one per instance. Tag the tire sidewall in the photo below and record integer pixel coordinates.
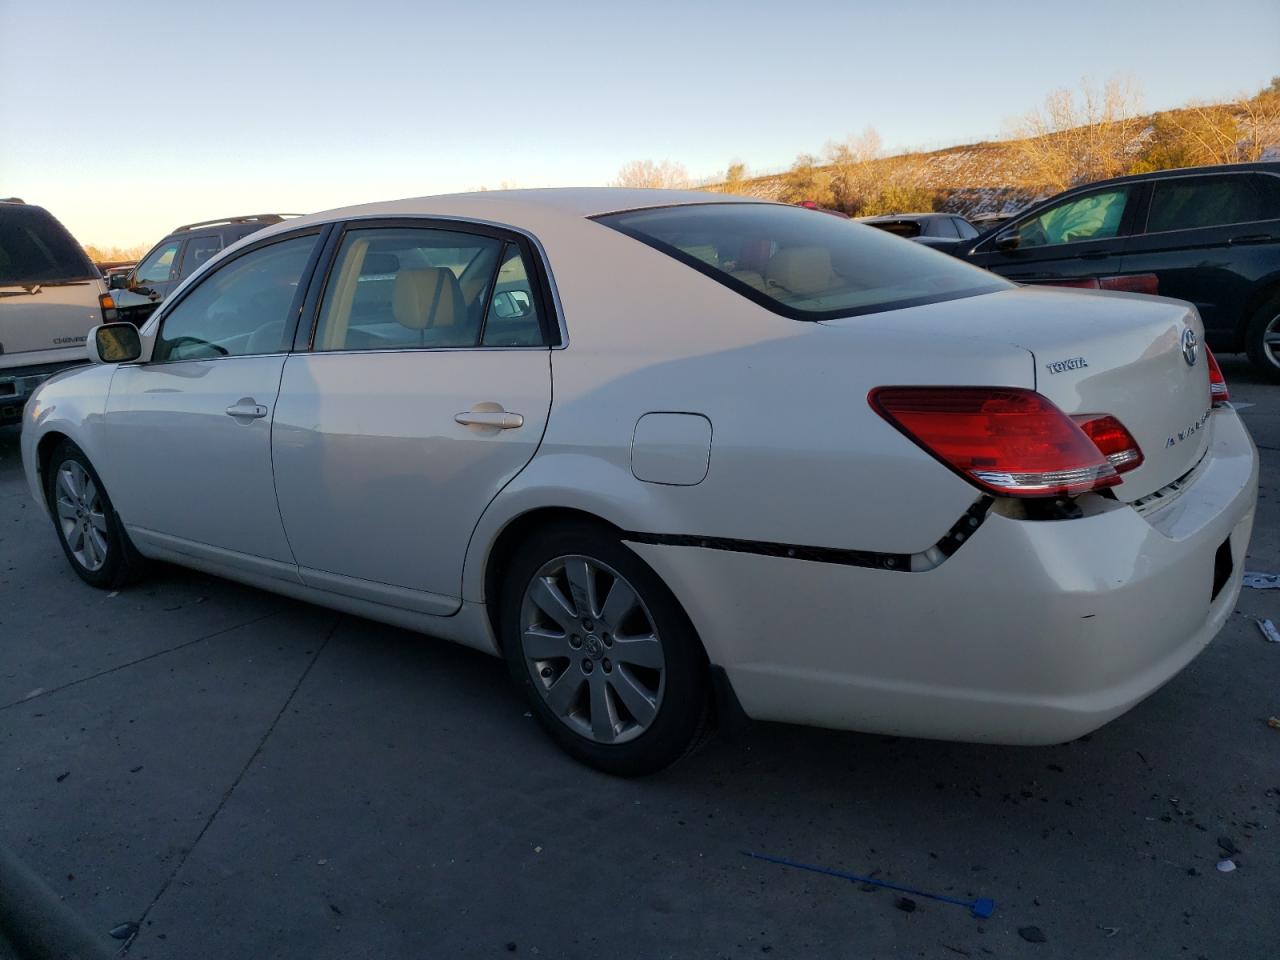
(112, 573)
(685, 697)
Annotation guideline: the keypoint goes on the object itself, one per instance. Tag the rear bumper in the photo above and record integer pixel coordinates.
(18, 383)
(1032, 633)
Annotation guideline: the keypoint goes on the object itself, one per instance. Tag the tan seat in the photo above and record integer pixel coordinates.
(803, 271)
(427, 297)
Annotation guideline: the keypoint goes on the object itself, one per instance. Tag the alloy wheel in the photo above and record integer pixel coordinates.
(1271, 341)
(80, 515)
(592, 649)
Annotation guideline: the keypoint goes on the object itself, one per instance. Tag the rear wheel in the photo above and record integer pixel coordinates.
(90, 531)
(1262, 339)
(607, 658)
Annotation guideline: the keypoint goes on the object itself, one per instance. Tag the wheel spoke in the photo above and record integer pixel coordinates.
(563, 694)
(68, 481)
(66, 509)
(99, 521)
(604, 717)
(640, 651)
(550, 601)
(637, 700)
(99, 544)
(583, 587)
(90, 492)
(619, 604)
(75, 539)
(541, 645)
(90, 548)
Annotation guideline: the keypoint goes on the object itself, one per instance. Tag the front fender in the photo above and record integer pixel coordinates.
(73, 405)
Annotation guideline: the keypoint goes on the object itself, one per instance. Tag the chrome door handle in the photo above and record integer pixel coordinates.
(497, 419)
(248, 409)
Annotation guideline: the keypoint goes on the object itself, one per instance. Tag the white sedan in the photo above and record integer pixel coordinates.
(677, 457)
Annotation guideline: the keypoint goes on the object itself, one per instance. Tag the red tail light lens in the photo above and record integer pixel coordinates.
(1007, 440)
(1134, 283)
(1112, 439)
(1218, 391)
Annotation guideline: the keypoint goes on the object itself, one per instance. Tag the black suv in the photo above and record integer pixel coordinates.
(1210, 235)
(176, 257)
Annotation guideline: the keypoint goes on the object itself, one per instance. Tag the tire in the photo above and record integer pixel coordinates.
(629, 704)
(87, 525)
(1265, 323)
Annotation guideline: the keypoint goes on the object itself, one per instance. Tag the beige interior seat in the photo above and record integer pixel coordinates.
(803, 271)
(428, 297)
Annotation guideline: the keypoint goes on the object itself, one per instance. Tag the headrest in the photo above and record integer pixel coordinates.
(427, 297)
(801, 270)
(379, 263)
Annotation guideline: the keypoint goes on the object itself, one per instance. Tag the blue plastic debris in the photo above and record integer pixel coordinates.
(981, 908)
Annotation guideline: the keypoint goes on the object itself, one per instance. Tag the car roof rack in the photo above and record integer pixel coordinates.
(251, 218)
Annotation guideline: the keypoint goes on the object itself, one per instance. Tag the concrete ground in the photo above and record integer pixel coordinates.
(246, 776)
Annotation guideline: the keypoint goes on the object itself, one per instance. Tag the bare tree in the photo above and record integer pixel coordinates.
(653, 176)
(1080, 136)
(852, 180)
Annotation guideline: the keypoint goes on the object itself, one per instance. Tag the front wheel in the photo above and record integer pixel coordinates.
(1262, 340)
(88, 527)
(607, 658)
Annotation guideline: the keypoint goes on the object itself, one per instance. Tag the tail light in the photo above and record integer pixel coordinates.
(107, 304)
(1006, 440)
(1133, 283)
(1112, 439)
(1218, 391)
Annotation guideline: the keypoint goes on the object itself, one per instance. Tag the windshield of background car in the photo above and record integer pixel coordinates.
(801, 264)
(36, 248)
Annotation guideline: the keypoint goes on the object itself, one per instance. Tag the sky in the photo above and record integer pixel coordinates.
(126, 119)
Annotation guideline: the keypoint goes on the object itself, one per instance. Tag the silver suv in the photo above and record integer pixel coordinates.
(51, 294)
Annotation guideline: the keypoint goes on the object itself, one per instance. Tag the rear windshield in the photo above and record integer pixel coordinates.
(801, 264)
(899, 228)
(35, 248)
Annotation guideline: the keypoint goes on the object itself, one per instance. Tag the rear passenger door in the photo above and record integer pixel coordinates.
(1080, 237)
(1209, 239)
(421, 388)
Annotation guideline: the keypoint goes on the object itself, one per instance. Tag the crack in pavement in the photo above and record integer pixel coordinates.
(151, 656)
(164, 888)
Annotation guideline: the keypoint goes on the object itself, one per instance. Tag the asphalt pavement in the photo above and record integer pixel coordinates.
(243, 775)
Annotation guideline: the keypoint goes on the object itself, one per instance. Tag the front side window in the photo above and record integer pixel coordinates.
(396, 288)
(1096, 216)
(158, 266)
(241, 308)
(1189, 203)
(967, 229)
(199, 249)
(943, 227)
(800, 265)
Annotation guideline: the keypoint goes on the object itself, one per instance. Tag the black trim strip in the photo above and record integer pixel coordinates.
(960, 531)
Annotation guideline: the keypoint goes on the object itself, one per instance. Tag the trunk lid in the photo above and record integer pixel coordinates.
(42, 318)
(1097, 353)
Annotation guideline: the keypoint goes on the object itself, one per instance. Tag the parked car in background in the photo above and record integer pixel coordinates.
(983, 222)
(140, 290)
(931, 229)
(51, 294)
(813, 205)
(1208, 235)
(953, 507)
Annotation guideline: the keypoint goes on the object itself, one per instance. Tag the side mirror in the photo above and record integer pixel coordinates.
(118, 281)
(511, 304)
(1008, 241)
(114, 343)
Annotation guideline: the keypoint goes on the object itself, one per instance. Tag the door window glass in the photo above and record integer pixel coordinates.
(199, 249)
(943, 227)
(1096, 216)
(1268, 196)
(1187, 203)
(967, 229)
(158, 266)
(241, 308)
(398, 288)
(512, 320)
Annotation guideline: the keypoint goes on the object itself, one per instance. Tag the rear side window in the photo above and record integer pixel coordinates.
(800, 265)
(1269, 195)
(199, 249)
(404, 288)
(1188, 203)
(899, 228)
(36, 248)
(967, 229)
(943, 227)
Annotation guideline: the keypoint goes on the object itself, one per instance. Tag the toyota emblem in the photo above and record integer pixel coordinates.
(1189, 345)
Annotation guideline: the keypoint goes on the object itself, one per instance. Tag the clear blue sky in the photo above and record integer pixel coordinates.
(126, 119)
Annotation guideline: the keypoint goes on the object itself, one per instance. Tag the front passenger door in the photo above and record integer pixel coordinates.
(192, 427)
